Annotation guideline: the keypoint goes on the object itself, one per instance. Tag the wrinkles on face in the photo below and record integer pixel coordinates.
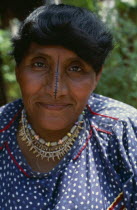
(50, 78)
(56, 79)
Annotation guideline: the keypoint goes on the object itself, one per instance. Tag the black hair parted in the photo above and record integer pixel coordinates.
(74, 28)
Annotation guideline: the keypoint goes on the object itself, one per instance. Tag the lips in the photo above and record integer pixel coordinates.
(55, 107)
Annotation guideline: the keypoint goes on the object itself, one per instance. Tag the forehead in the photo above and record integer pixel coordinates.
(50, 51)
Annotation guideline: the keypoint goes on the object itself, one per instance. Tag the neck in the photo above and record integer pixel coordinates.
(52, 135)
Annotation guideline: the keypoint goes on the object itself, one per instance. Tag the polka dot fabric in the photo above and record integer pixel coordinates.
(99, 172)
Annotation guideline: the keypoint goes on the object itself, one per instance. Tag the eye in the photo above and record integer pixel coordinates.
(39, 64)
(75, 68)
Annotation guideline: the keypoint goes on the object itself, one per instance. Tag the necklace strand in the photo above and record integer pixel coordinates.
(49, 150)
(33, 135)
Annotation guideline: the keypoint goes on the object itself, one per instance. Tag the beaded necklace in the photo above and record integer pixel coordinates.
(44, 149)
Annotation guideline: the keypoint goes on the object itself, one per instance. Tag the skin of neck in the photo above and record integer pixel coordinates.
(52, 135)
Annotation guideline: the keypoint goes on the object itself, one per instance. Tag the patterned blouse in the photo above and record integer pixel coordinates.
(99, 171)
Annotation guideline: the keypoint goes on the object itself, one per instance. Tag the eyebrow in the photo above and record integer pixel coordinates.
(40, 54)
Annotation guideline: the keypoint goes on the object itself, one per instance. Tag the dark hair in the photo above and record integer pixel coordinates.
(74, 28)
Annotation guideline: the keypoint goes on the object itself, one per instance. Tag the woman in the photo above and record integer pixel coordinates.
(61, 146)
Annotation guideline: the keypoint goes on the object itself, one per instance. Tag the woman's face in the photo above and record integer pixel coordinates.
(55, 85)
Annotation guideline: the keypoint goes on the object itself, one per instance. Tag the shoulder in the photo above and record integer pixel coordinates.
(112, 116)
(8, 113)
(10, 108)
(111, 107)
(114, 123)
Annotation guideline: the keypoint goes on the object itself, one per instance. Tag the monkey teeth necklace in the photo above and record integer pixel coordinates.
(44, 149)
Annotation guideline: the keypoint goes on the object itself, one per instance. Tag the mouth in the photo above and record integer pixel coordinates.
(55, 107)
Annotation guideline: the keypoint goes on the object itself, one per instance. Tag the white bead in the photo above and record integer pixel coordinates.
(42, 141)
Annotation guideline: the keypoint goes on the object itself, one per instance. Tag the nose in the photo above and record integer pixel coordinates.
(57, 84)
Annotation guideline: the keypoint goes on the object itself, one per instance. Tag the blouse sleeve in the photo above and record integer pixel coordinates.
(126, 157)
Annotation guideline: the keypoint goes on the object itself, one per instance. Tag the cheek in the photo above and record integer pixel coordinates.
(81, 90)
(29, 84)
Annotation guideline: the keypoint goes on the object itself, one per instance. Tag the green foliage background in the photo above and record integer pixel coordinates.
(119, 77)
(8, 65)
